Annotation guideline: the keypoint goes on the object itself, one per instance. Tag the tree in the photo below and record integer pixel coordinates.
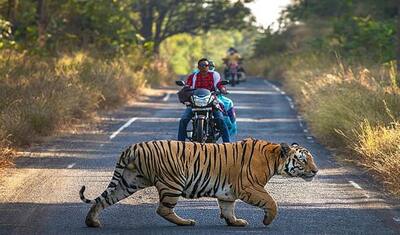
(12, 11)
(157, 20)
(42, 22)
(360, 30)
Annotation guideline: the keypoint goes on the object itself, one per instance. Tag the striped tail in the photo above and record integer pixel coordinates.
(115, 181)
(83, 198)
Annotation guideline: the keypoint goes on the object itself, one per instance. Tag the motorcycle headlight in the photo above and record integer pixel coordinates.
(201, 101)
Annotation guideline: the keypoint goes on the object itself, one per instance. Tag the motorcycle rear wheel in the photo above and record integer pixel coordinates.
(233, 80)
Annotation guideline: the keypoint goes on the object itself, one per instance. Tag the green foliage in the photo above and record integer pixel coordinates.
(114, 26)
(366, 38)
(158, 20)
(360, 31)
(184, 50)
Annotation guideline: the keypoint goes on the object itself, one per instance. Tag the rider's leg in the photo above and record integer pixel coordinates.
(219, 118)
(185, 119)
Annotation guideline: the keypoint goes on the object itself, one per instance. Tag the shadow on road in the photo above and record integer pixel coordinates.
(69, 218)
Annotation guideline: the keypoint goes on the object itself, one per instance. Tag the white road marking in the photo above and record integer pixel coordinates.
(309, 137)
(160, 119)
(241, 92)
(282, 93)
(166, 97)
(266, 120)
(397, 219)
(355, 185)
(291, 104)
(123, 127)
(101, 145)
(273, 86)
(71, 165)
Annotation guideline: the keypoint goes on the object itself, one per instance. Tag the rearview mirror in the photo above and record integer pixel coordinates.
(180, 83)
(224, 82)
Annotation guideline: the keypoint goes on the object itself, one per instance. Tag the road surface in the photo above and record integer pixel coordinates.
(40, 195)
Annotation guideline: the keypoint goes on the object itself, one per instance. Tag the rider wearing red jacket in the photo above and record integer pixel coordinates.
(208, 80)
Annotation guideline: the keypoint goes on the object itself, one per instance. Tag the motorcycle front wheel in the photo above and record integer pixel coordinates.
(199, 132)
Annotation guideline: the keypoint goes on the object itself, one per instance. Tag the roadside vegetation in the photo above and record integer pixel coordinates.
(63, 61)
(41, 94)
(338, 59)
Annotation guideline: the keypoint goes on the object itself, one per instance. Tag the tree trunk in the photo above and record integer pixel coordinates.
(147, 19)
(42, 21)
(12, 13)
(156, 47)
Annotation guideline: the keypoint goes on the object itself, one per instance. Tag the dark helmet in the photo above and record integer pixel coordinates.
(212, 65)
(232, 50)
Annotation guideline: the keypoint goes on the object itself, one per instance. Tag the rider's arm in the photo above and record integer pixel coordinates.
(217, 82)
(221, 87)
(216, 79)
(189, 80)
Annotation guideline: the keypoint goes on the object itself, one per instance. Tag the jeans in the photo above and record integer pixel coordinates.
(187, 116)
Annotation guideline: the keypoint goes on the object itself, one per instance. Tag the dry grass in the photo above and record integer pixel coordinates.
(6, 154)
(379, 148)
(40, 95)
(353, 109)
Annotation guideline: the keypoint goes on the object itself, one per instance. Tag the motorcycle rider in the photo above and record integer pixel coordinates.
(232, 58)
(208, 80)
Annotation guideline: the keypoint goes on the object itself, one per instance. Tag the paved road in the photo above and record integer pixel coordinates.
(40, 195)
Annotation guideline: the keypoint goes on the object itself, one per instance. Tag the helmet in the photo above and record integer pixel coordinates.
(232, 50)
(211, 66)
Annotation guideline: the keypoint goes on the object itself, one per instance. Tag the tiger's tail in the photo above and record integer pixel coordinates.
(83, 198)
(115, 181)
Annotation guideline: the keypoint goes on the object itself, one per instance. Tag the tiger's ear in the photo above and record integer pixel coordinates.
(285, 149)
(295, 145)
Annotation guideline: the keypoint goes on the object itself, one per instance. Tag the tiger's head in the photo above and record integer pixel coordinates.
(297, 161)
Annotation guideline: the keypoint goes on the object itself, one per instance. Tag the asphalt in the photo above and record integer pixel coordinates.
(40, 194)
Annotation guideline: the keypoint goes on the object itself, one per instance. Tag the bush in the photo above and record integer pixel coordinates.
(38, 95)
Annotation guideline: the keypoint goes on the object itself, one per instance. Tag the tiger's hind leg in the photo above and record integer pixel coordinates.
(228, 213)
(168, 199)
(258, 196)
(127, 185)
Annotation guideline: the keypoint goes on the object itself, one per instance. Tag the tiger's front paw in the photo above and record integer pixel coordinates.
(94, 223)
(268, 219)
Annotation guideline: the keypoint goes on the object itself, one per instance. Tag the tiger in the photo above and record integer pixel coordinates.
(228, 171)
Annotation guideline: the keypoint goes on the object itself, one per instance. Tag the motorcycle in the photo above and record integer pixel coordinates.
(235, 74)
(232, 75)
(204, 127)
